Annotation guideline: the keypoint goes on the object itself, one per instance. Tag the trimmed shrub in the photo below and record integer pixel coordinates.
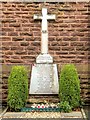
(17, 88)
(69, 86)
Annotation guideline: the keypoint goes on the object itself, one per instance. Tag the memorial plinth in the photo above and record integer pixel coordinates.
(44, 79)
(44, 75)
(44, 58)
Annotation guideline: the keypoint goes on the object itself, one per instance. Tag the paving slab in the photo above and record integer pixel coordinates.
(13, 114)
(71, 115)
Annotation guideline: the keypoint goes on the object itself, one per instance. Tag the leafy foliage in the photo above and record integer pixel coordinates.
(65, 107)
(69, 86)
(17, 87)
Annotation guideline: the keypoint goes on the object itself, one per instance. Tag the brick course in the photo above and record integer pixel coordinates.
(68, 34)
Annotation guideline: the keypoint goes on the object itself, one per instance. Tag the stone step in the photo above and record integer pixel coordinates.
(43, 99)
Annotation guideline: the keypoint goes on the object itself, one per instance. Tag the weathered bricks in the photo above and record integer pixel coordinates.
(14, 25)
(20, 52)
(17, 38)
(24, 43)
(5, 38)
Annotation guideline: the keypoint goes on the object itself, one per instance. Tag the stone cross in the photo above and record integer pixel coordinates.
(44, 30)
(44, 75)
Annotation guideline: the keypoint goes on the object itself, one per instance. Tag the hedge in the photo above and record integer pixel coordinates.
(69, 86)
(17, 87)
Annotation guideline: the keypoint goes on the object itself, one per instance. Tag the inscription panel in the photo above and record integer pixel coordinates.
(44, 79)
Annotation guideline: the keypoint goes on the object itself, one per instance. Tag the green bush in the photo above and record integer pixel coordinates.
(65, 107)
(17, 88)
(69, 86)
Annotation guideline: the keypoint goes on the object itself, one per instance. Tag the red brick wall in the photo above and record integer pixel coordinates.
(68, 37)
(68, 34)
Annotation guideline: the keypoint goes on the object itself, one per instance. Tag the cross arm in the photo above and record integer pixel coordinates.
(51, 17)
(37, 17)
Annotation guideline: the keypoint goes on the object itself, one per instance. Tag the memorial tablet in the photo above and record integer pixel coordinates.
(44, 79)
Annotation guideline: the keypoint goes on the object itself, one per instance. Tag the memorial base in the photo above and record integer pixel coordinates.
(44, 58)
(44, 79)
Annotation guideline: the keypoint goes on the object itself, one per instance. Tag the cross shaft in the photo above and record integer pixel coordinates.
(44, 29)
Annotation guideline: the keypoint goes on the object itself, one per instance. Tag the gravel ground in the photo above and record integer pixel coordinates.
(42, 115)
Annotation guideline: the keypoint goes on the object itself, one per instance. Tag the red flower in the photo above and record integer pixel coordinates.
(38, 106)
(42, 106)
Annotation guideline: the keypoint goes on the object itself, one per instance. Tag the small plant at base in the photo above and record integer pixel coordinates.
(65, 107)
(17, 88)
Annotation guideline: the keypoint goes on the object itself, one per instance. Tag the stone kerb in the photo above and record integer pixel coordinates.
(44, 0)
